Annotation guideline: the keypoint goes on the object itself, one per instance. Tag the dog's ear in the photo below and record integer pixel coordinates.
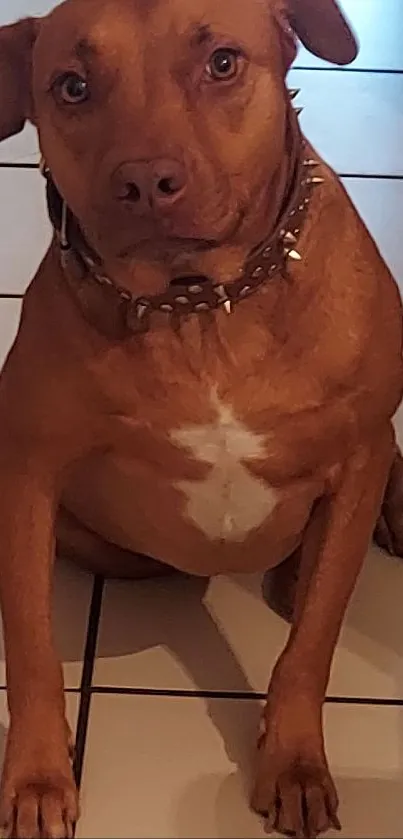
(16, 43)
(323, 30)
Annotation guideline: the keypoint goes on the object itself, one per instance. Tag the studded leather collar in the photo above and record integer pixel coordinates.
(117, 313)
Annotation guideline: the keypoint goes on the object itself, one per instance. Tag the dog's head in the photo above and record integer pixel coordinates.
(162, 120)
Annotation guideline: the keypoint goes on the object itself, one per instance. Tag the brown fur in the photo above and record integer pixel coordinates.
(312, 362)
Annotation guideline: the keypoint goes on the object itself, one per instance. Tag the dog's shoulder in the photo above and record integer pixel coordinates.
(353, 313)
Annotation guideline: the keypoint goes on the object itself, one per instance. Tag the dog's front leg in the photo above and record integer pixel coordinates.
(38, 794)
(294, 787)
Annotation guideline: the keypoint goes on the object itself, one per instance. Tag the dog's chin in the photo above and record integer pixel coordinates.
(167, 244)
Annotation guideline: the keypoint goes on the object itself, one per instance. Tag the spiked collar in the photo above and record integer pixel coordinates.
(117, 313)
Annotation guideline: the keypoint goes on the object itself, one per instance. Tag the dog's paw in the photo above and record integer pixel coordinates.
(301, 801)
(294, 790)
(45, 808)
(38, 794)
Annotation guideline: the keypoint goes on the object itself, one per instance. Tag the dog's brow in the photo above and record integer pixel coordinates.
(200, 34)
(85, 49)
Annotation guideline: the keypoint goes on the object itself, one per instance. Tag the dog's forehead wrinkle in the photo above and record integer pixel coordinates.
(92, 32)
(105, 26)
(204, 20)
(199, 34)
(86, 49)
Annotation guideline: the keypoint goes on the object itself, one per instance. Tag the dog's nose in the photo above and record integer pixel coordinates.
(148, 184)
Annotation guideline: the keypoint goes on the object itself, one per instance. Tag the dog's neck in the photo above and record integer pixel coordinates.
(109, 296)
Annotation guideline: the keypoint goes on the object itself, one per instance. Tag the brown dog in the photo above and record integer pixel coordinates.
(207, 364)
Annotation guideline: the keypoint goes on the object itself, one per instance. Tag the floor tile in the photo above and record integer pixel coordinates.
(380, 204)
(355, 120)
(379, 27)
(25, 229)
(71, 604)
(399, 425)
(10, 311)
(175, 767)
(187, 634)
(22, 148)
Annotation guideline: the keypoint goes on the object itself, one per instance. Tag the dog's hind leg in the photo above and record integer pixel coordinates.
(93, 554)
(389, 529)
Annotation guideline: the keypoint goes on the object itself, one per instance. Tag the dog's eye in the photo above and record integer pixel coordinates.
(224, 64)
(73, 89)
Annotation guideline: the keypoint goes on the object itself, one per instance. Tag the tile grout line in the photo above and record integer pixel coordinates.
(187, 693)
(16, 164)
(380, 702)
(369, 176)
(369, 70)
(86, 678)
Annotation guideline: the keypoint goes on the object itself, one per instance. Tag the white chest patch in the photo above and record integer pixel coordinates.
(230, 501)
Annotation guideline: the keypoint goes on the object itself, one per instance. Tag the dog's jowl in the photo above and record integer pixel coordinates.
(207, 365)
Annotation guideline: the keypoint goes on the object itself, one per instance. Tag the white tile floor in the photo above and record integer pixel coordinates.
(162, 758)
(180, 767)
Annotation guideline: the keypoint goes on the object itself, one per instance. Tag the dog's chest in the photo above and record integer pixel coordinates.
(229, 501)
(209, 440)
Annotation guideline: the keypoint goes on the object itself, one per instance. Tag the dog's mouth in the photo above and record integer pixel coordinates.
(168, 245)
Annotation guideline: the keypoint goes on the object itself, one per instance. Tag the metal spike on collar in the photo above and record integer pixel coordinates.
(298, 111)
(293, 92)
(141, 309)
(222, 294)
(316, 180)
(290, 239)
(311, 162)
(293, 254)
